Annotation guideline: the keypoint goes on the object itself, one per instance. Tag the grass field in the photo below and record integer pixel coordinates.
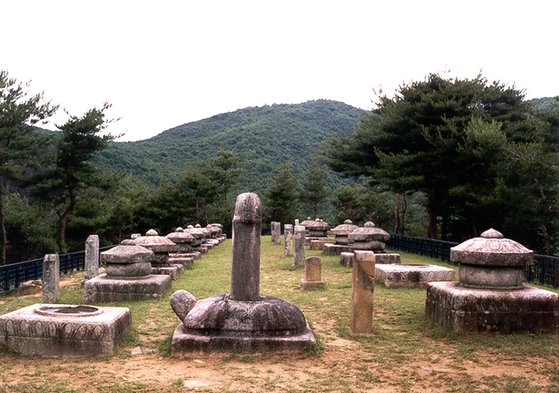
(406, 354)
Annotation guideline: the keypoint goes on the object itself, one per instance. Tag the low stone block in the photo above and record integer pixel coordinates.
(336, 249)
(461, 309)
(105, 289)
(64, 330)
(346, 259)
(411, 276)
(173, 270)
(318, 243)
(390, 258)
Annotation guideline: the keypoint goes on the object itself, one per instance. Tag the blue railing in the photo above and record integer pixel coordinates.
(14, 274)
(545, 269)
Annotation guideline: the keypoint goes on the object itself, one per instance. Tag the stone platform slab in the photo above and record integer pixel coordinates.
(185, 342)
(173, 270)
(104, 289)
(411, 276)
(460, 309)
(335, 249)
(64, 330)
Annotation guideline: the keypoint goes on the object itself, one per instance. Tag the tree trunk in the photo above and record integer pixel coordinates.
(432, 229)
(4, 234)
(397, 222)
(404, 211)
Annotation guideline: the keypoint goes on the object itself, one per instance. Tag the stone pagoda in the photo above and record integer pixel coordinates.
(128, 276)
(183, 252)
(341, 239)
(161, 247)
(243, 319)
(491, 296)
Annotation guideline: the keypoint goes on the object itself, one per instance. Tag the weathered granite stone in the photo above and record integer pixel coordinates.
(91, 266)
(490, 296)
(317, 228)
(346, 259)
(183, 240)
(335, 249)
(342, 231)
(313, 274)
(126, 253)
(64, 330)
(181, 259)
(389, 258)
(276, 232)
(171, 269)
(243, 320)
(245, 267)
(182, 302)
(412, 275)
(362, 293)
(299, 246)
(51, 278)
(369, 237)
(136, 269)
(160, 245)
(318, 243)
(460, 309)
(288, 240)
(106, 289)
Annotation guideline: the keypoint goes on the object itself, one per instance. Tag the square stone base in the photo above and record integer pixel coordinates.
(310, 285)
(411, 276)
(174, 270)
(185, 342)
(460, 309)
(105, 289)
(51, 334)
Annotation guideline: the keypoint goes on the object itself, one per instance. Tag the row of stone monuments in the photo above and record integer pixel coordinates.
(139, 268)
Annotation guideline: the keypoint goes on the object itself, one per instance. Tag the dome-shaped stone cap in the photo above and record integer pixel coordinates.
(317, 224)
(491, 249)
(154, 242)
(180, 236)
(214, 230)
(198, 233)
(127, 253)
(269, 316)
(345, 229)
(306, 222)
(369, 232)
(215, 224)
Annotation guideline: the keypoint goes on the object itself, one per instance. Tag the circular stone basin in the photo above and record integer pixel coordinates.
(65, 311)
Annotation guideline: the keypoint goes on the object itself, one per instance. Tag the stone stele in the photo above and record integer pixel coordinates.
(242, 320)
(491, 296)
(64, 330)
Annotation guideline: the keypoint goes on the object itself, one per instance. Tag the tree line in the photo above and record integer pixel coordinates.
(444, 158)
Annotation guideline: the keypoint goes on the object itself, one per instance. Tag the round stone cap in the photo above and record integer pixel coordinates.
(127, 253)
(180, 236)
(154, 242)
(345, 229)
(369, 232)
(491, 249)
(317, 224)
(197, 233)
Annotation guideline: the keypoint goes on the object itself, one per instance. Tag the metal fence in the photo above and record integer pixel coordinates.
(545, 269)
(14, 274)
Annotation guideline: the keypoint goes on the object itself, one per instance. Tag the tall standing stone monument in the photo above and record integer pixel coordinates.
(362, 293)
(51, 278)
(243, 319)
(276, 232)
(91, 257)
(299, 246)
(288, 240)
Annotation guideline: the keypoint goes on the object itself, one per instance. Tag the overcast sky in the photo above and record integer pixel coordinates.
(164, 63)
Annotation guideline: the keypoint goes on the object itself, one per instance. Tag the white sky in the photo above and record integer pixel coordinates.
(163, 63)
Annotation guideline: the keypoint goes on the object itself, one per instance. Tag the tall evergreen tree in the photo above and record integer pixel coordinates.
(281, 196)
(19, 144)
(61, 184)
(314, 192)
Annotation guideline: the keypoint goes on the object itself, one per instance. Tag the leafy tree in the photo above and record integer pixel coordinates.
(314, 192)
(71, 172)
(19, 143)
(282, 195)
(445, 138)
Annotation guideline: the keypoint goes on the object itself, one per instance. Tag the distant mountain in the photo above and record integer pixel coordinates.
(264, 136)
(550, 104)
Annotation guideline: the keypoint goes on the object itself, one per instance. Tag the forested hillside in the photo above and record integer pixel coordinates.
(262, 136)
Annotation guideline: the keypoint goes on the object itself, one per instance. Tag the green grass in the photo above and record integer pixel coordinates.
(407, 352)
